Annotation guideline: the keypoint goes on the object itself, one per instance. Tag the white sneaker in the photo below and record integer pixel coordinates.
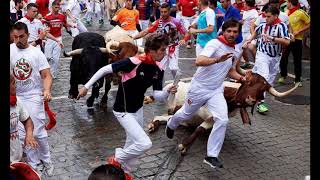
(48, 167)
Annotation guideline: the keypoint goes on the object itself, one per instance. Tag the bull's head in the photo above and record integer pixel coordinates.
(85, 63)
(251, 91)
(123, 49)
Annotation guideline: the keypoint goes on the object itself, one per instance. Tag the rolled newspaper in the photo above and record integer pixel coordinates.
(171, 98)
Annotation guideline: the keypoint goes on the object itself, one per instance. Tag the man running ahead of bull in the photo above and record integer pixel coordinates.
(138, 74)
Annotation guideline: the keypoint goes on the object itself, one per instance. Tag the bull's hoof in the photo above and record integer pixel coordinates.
(65, 54)
(90, 111)
(71, 97)
(171, 112)
(153, 126)
(104, 106)
(90, 101)
(148, 99)
(182, 149)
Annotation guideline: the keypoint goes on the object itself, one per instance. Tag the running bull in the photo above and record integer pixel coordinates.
(238, 96)
(90, 52)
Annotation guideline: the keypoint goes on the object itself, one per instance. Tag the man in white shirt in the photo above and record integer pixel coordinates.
(250, 14)
(35, 27)
(18, 114)
(72, 9)
(271, 38)
(204, 26)
(217, 60)
(32, 74)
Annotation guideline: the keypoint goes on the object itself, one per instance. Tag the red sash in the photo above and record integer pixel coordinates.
(51, 115)
(13, 100)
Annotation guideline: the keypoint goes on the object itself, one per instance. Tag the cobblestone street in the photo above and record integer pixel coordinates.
(275, 147)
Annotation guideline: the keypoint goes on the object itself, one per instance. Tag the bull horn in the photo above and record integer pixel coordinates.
(111, 43)
(74, 52)
(275, 93)
(140, 49)
(104, 50)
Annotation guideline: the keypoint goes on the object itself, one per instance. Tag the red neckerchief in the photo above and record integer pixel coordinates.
(146, 58)
(239, 6)
(293, 9)
(276, 21)
(222, 39)
(29, 18)
(13, 100)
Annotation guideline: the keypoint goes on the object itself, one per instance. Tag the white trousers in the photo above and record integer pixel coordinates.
(138, 42)
(52, 51)
(79, 29)
(34, 105)
(266, 66)
(198, 49)
(187, 21)
(90, 14)
(217, 106)
(144, 24)
(137, 141)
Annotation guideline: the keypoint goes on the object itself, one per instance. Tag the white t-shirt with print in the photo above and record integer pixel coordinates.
(212, 76)
(34, 28)
(17, 113)
(27, 64)
(248, 16)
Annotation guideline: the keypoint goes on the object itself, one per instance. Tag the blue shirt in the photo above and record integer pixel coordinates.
(233, 12)
(219, 10)
(204, 38)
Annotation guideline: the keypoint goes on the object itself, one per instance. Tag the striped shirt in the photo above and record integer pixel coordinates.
(269, 47)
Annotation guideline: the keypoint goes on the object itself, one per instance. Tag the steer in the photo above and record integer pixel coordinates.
(238, 96)
(90, 53)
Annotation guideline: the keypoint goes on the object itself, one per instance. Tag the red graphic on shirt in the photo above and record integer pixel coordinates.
(55, 23)
(22, 70)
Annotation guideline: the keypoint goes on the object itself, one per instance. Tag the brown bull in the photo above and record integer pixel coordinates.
(238, 96)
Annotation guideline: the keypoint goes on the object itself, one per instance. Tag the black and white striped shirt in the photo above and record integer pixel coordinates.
(269, 47)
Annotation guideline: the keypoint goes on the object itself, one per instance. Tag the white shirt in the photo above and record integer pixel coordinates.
(17, 113)
(12, 5)
(34, 28)
(212, 76)
(210, 17)
(305, 4)
(27, 64)
(284, 17)
(74, 7)
(247, 17)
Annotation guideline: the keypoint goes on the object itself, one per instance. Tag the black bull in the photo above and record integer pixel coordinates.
(84, 65)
